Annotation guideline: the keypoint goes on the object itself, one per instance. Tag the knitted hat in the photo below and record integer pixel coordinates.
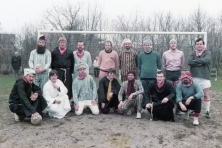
(29, 71)
(126, 40)
(111, 70)
(37, 120)
(62, 39)
(148, 42)
(173, 41)
(186, 74)
(81, 66)
(42, 38)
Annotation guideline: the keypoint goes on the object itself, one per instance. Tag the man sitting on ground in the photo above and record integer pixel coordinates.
(26, 99)
(189, 95)
(108, 91)
(160, 98)
(130, 94)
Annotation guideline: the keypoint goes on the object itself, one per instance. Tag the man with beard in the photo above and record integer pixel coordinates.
(81, 56)
(63, 63)
(199, 62)
(26, 99)
(127, 59)
(40, 60)
(160, 98)
(84, 92)
(16, 64)
(148, 63)
(172, 63)
(189, 96)
(108, 92)
(130, 95)
(107, 59)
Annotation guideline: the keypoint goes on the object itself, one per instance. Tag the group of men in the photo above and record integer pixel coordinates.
(161, 87)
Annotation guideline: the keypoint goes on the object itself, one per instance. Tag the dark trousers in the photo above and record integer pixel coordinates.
(145, 83)
(96, 72)
(113, 102)
(163, 111)
(195, 104)
(22, 111)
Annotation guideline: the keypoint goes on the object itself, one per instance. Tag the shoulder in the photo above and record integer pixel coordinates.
(156, 53)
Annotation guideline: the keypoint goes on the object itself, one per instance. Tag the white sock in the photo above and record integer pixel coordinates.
(207, 106)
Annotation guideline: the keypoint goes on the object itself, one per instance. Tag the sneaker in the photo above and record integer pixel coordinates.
(195, 121)
(129, 112)
(208, 115)
(16, 117)
(138, 115)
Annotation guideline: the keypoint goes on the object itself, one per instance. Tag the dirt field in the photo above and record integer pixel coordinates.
(113, 131)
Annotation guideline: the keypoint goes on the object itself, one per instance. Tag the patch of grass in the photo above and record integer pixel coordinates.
(216, 85)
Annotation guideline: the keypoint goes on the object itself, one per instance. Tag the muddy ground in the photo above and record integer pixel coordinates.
(113, 131)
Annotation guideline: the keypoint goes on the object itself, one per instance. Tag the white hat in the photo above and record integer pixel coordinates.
(29, 71)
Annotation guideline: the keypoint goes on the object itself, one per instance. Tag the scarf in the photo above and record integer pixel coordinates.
(82, 77)
(80, 54)
(130, 87)
(159, 85)
(62, 51)
(199, 53)
(109, 89)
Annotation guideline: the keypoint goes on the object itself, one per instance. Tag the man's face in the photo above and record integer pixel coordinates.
(130, 77)
(53, 78)
(111, 75)
(199, 46)
(147, 47)
(127, 45)
(173, 45)
(16, 54)
(62, 44)
(160, 77)
(30, 78)
(41, 43)
(82, 71)
(185, 80)
(80, 46)
(107, 46)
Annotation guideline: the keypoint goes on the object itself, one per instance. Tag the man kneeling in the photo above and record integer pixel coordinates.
(160, 98)
(55, 93)
(130, 94)
(189, 95)
(26, 100)
(84, 92)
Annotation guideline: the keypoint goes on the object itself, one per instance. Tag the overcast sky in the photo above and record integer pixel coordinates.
(14, 13)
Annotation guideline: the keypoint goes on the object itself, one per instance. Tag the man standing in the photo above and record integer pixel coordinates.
(16, 64)
(199, 62)
(189, 95)
(160, 98)
(130, 94)
(108, 91)
(172, 63)
(63, 63)
(127, 59)
(26, 99)
(40, 60)
(148, 63)
(84, 92)
(107, 59)
(81, 56)
(96, 67)
(55, 93)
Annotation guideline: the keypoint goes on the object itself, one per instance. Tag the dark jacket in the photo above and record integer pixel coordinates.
(154, 94)
(103, 88)
(21, 93)
(16, 62)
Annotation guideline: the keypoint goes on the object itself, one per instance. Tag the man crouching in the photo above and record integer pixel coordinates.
(26, 99)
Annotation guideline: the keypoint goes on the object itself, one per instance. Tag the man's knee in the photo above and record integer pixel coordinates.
(78, 113)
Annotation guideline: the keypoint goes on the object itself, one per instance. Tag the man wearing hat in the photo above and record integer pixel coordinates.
(160, 98)
(26, 100)
(40, 61)
(108, 91)
(108, 58)
(188, 95)
(130, 95)
(63, 63)
(127, 59)
(148, 63)
(84, 92)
